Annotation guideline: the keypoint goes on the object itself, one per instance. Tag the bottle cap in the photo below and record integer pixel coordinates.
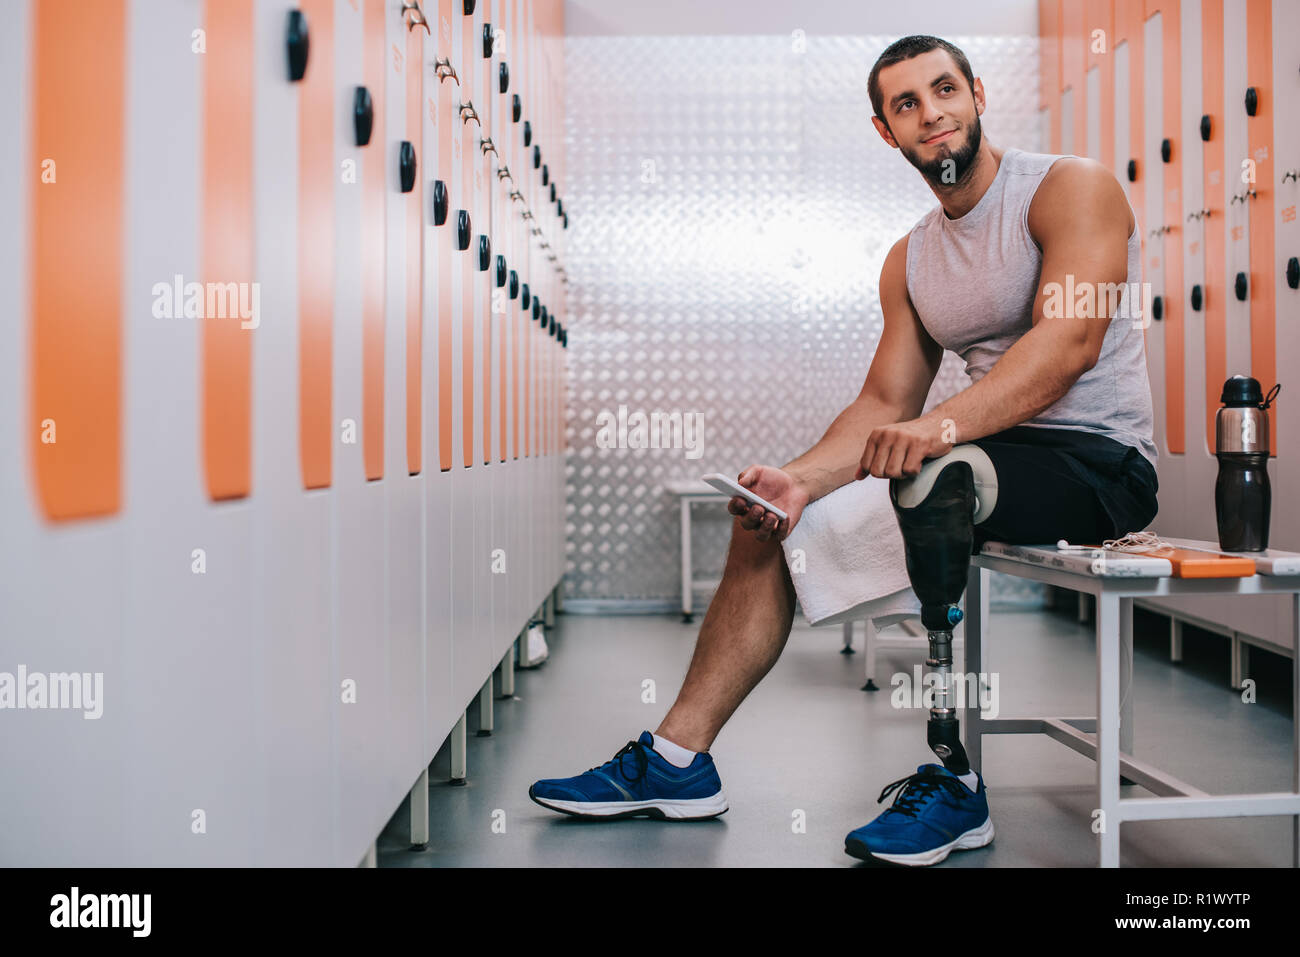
(1241, 390)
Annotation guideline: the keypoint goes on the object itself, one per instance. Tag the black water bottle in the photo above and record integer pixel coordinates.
(1241, 493)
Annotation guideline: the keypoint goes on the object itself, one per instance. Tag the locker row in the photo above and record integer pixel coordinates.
(286, 388)
(1190, 103)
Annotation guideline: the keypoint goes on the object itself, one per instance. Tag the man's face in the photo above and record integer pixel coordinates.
(933, 117)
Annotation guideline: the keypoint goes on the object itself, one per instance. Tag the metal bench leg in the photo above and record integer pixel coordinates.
(1126, 675)
(686, 562)
(1108, 725)
(1175, 638)
(869, 652)
(1295, 722)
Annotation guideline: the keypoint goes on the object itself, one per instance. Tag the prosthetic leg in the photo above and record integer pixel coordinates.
(937, 512)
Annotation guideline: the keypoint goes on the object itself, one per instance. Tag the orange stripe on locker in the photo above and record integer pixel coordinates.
(1101, 16)
(75, 419)
(512, 222)
(468, 256)
(483, 104)
(1049, 53)
(414, 67)
(501, 137)
(373, 248)
(1073, 51)
(316, 247)
(226, 246)
(1259, 136)
(1216, 336)
(1128, 28)
(1173, 242)
(444, 118)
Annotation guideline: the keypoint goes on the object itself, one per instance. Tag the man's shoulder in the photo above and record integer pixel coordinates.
(1074, 189)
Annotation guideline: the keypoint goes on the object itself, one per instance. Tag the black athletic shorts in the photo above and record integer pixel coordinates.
(1065, 483)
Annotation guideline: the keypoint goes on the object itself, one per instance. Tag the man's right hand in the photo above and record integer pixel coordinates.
(776, 486)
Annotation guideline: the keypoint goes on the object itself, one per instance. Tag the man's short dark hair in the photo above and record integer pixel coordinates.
(905, 49)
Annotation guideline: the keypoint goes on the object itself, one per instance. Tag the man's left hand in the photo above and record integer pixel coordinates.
(899, 449)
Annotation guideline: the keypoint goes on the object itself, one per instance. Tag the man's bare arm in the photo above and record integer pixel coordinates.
(1080, 218)
(898, 381)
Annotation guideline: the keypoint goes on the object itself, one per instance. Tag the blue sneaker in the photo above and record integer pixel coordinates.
(637, 781)
(933, 814)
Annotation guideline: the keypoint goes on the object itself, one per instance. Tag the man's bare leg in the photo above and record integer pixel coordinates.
(743, 634)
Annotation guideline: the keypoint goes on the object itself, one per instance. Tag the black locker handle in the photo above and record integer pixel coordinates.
(1241, 286)
(439, 202)
(1205, 127)
(537, 157)
(1166, 150)
(462, 230)
(504, 73)
(484, 253)
(363, 115)
(487, 41)
(1197, 298)
(566, 220)
(552, 192)
(1293, 272)
(297, 45)
(501, 271)
(546, 320)
(1157, 308)
(406, 165)
(528, 132)
(546, 174)
(1132, 171)
(516, 110)
(524, 296)
(469, 8)
(514, 284)
(1252, 101)
(537, 308)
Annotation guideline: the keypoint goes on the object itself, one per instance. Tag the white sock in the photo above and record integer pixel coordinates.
(674, 754)
(970, 779)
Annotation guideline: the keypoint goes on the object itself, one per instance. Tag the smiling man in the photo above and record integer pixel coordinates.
(1057, 422)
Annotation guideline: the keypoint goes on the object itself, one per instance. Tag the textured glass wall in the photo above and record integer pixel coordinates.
(731, 207)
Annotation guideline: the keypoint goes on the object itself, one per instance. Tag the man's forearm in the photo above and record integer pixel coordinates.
(833, 461)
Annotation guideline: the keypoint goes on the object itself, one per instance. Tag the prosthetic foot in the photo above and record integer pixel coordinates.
(937, 511)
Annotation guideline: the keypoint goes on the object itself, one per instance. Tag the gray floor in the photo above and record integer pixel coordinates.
(808, 740)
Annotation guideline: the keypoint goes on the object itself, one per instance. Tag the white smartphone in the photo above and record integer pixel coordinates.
(731, 486)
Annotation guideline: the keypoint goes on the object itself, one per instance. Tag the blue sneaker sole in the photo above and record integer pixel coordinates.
(690, 809)
(976, 837)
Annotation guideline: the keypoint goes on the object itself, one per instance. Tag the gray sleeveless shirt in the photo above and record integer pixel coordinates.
(973, 282)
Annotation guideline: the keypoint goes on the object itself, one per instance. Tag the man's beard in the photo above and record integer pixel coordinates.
(956, 164)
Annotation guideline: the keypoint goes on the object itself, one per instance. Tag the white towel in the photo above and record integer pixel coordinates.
(852, 557)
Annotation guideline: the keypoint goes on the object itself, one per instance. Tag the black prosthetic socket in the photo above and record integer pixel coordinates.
(938, 535)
